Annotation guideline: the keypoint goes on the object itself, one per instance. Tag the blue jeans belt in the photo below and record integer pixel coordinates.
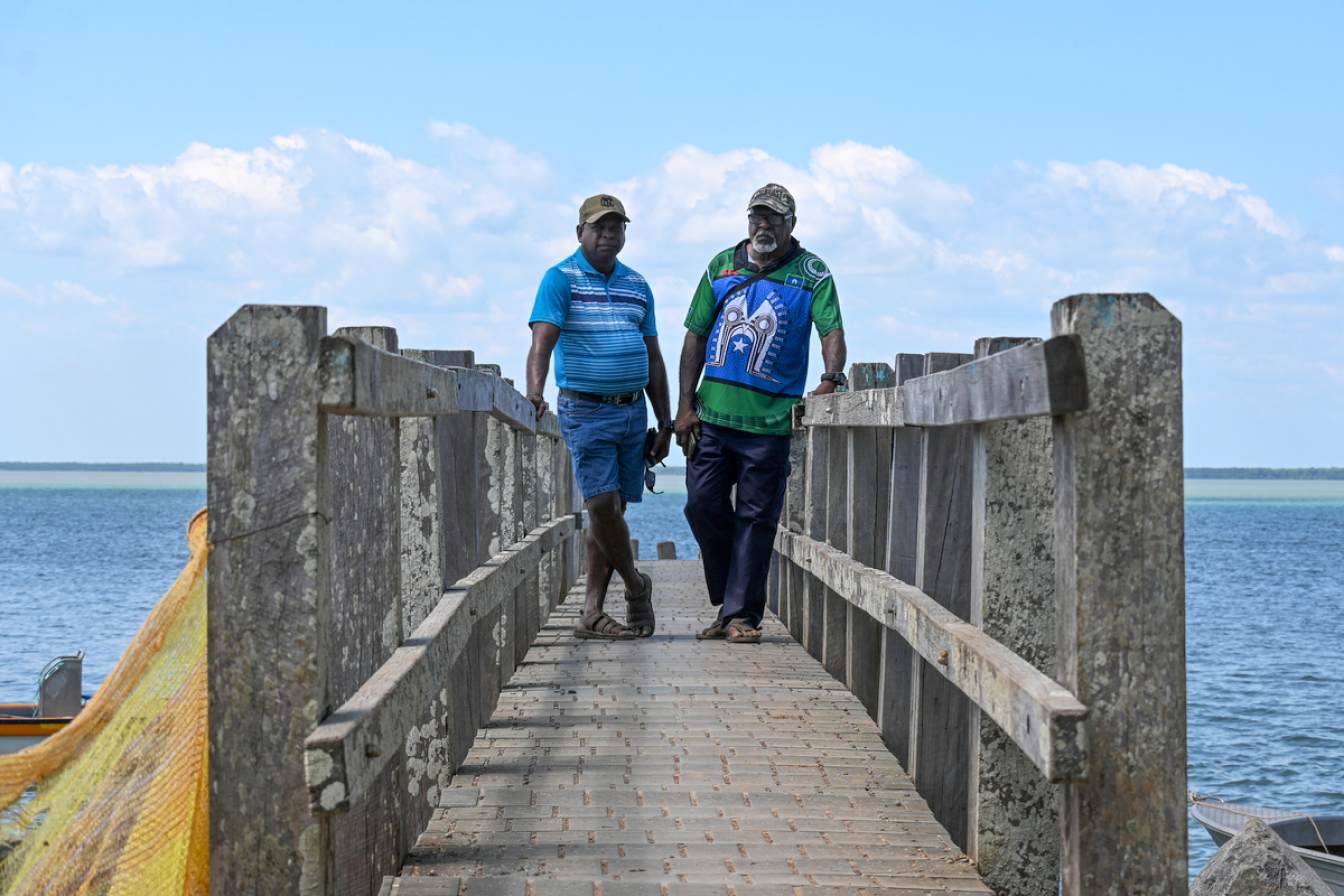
(622, 398)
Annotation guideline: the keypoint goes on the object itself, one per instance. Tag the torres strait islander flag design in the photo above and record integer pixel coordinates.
(756, 356)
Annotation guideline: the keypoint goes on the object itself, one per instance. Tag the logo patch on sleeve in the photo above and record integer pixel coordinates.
(815, 268)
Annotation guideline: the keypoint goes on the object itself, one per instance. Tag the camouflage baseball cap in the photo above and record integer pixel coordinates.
(599, 206)
(773, 197)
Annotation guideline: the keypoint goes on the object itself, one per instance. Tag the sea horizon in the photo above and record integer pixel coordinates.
(1191, 472)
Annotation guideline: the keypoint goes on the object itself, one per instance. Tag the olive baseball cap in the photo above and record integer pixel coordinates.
(773, 197)
(599, 206)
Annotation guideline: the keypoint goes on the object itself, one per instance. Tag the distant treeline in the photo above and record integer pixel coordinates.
(1264, 472)
(102, 468)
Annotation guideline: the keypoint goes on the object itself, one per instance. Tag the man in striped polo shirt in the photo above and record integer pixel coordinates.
(596, 315)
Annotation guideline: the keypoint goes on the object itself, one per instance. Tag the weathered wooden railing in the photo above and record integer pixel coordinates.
(389, 530)
(1006, 594)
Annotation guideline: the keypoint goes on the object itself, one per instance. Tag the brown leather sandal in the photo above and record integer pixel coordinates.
(712, 632)
(639, 610)
(603, 628)
(741, 633)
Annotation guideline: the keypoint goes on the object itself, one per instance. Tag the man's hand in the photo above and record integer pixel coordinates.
(539, 402)
(825, 387)
(662, 444)
(688, 421)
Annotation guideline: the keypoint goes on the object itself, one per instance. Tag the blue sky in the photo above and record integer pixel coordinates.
(960, 166)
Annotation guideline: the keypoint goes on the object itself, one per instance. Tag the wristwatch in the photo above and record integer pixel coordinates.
(835, 376)
(665, 426)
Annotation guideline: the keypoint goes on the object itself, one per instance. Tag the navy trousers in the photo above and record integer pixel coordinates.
(735, 542)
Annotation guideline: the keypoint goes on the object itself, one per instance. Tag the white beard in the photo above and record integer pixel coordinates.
(764, 243)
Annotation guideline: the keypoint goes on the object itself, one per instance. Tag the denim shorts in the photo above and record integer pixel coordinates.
(606, 442)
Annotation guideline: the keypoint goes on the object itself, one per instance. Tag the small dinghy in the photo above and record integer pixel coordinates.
(1318, 839)
(59, 698)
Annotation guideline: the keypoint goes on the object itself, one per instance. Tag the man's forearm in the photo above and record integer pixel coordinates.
(692, 363)
(538, 365)
(833, 351)
(544, 337)
(658, 394)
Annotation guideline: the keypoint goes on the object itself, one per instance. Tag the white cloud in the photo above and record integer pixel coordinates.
(442, 245)
(694, 193)
(451, 290)
(472, 151)
(10, 290)
(64, 289)
(6, 186)
(1166, 188)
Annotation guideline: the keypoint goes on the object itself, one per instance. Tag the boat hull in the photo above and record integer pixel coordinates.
(1224, 820)
(18, 732)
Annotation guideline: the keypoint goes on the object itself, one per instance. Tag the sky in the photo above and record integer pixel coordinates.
(959, 167)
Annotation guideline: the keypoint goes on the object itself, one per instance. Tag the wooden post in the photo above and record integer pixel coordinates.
(634, 548)
(940, 741)
(792, 580)
(268, 588)
(1013, 824)
(363, 622)
(772, 583)
(461, 460)
(898, 657)
(814, 526)
(549, 568)
(869, 464)
(492, 648)
(422, 522)
(1120, 578)
(835, 627)
(564, 479)
(528, 622)
(364, 481)
(667, 550)
(506, 637)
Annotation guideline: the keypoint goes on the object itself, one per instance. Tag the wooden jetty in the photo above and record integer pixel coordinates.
(974, 681)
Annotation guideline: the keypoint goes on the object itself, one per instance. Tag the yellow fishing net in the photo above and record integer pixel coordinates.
(116, 802)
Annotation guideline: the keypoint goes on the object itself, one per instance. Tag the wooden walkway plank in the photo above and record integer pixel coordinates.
(677, 766)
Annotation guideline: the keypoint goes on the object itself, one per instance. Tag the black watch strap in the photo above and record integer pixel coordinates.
(665, 426)
(835, 376)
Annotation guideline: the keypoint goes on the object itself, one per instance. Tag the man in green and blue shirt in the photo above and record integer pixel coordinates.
(747, 332)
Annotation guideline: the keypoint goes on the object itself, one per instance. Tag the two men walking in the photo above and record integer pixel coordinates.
(747, 333)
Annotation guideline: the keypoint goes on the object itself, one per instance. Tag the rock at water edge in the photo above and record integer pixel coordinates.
(1257, 862)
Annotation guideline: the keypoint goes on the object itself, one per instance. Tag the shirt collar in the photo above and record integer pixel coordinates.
(742, 260)
(587, 267)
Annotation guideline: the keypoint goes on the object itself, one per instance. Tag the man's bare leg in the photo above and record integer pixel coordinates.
(608, 547)
(599, 576)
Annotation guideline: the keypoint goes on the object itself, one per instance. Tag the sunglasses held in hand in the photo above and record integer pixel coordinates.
(650, 438)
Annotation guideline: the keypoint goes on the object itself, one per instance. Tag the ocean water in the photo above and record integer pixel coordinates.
(1264, 632)
(84, 556)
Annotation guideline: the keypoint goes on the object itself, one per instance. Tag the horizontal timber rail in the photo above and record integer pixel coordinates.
(346, 754)
(1042, 718)
(361, 379)
(1031, 380)
(987, 549)
(389, 530)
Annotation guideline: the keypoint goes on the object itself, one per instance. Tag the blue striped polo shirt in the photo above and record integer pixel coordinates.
(603, 321)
